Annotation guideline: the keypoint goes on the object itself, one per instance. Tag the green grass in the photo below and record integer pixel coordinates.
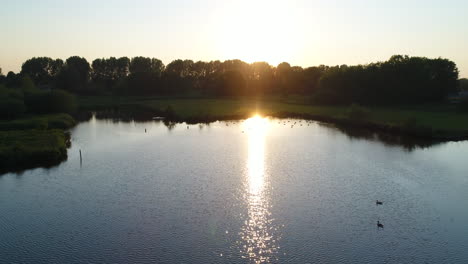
(438, 120)
(193, 107)
(42, 122)
(22, 149)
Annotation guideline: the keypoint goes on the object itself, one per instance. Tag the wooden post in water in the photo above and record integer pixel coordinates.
(81, 159)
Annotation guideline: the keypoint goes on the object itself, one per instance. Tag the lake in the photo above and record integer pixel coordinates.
(253, 191)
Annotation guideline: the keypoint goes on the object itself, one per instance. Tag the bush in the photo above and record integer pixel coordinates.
(10, 93)
(35, 102)
(169, 113)
(56, 101)
(463, 105)
(11, 108)
(39, 124)
(358, 113)
(27, 84)
(62, 102)
(415, 127)
(59, 121)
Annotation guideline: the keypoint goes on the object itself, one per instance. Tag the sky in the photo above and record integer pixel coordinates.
(301, 32)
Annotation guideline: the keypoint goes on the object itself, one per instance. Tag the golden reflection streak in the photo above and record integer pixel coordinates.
(258, 243)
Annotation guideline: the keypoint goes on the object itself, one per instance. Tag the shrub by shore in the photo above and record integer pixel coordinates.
(41, 122)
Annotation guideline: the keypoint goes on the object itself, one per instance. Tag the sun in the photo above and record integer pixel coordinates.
(258, 31)
(256, 125)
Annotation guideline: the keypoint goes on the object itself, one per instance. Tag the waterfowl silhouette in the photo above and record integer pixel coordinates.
(379, 225)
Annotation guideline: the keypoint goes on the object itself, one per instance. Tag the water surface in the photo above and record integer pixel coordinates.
(261, 190)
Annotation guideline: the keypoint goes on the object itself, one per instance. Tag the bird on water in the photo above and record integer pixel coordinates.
(379, 225)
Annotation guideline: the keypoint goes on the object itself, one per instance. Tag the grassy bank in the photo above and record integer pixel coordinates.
(34, 141)
(22, 149)
(433, 121)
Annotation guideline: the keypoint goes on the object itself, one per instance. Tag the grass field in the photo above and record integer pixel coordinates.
(438, 117)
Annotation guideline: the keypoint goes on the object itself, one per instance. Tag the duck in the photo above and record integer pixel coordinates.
(377, 202)
(379, 225)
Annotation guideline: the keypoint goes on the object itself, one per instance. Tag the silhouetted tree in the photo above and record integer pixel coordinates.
(282, 76)
(12, 80)
(2, 77)
(312, 77)
(463, 84)
(145, 76)
(148, 65)
(233, 83)
(122, 68)
(42, 70)
(401, 79)
(75, 75)
(180, 76)
(261, 78)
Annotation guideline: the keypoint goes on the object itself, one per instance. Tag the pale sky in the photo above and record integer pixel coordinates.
(301, 32)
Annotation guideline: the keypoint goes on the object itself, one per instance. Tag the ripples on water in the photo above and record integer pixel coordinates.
(258, 191)
(259, 236)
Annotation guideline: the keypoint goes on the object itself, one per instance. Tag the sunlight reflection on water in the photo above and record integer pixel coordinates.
(258, 239)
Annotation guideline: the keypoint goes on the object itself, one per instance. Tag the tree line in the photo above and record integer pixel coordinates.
(401, 79)
(463, 84)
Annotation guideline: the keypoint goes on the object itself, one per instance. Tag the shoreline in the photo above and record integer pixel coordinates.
(61, 123)
(429, 121)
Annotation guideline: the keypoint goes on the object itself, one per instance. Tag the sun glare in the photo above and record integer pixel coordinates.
(256, 128)
(258, 31)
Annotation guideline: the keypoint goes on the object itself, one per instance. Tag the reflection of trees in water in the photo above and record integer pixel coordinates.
(202, 126)
(124, 116)
(169, 124)
(407, 142)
